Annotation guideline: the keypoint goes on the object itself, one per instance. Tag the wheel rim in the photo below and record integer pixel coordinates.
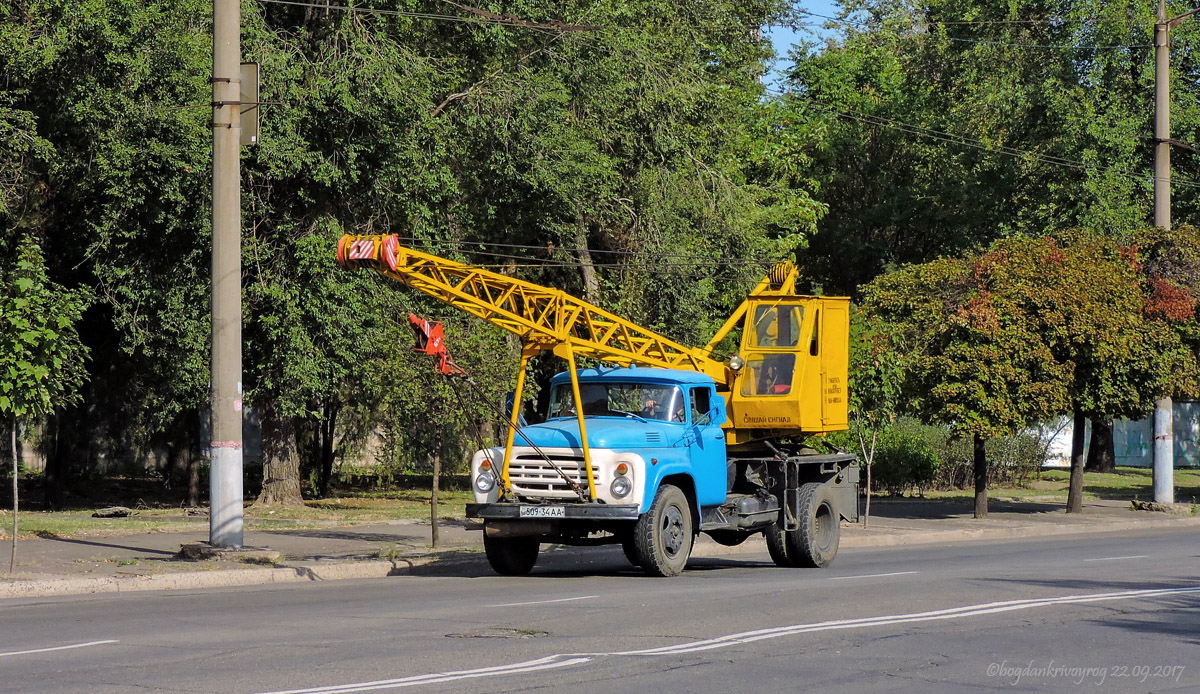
(824, 527)
(673, 531)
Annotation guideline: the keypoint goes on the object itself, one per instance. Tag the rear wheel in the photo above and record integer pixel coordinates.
(815, 542)
(511, 556)
(663, 535)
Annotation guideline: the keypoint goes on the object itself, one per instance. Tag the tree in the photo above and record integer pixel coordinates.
(955, 122)
(118, 194)
(41, 355)
(1084, 290)
(877, 366)
(977, 363)
(637, 165)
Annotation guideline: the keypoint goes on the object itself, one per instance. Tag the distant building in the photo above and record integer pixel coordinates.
(1133, 440)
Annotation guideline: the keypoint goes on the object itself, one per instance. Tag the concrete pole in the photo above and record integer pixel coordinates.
(1164, 452)
(225, 473)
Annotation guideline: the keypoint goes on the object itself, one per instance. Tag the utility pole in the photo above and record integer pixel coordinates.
(1164, 438)
(225, 472)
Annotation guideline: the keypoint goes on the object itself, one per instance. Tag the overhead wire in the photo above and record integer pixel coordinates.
(1051, 21)
(983, 145)
(478, 17)
(682, 269)
(463, 242)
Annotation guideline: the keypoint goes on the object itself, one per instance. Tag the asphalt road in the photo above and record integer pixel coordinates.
(1098, 614)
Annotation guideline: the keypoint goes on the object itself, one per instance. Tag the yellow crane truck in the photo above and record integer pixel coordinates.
(661, 441)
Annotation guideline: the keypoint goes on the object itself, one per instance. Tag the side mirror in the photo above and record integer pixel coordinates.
(715, 415)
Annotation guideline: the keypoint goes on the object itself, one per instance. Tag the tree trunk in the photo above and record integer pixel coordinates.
(281, 460)
(591, 284)
(1101, 456)
(867, 510)
(324, 444)
(12, 558)
(981, 477)
(433, 490)
(1075, 495)
(193, 475)
(56, 445)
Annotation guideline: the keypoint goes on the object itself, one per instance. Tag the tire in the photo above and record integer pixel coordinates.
(663, 535)
(728, 538)
(777, 545)
(629, 547)
(815, 543)
(511, 556)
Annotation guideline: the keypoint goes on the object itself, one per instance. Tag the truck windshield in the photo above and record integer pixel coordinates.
(647, 400)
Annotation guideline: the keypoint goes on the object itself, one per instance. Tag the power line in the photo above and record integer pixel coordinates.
(562, 263)
(990, 42)
(1001, 149)
(974, 143)
(686, 256)
(1062, 46)
(481, 16)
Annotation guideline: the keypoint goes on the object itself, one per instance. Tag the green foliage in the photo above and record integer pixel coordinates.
(955, 122)
(975, 361)
(637, 165)
(41, 356)
(904, 460)
(1032, 328)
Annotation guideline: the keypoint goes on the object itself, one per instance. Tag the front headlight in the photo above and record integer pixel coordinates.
(621, 487)
(484, 482)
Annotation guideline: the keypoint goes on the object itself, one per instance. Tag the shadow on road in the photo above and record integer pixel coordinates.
(1173, 616)
(569, 562)
(941, 509)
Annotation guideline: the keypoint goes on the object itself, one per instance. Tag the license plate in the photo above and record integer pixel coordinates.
(543, 512)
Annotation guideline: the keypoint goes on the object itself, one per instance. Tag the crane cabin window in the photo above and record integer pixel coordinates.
(768, 374)
(776, 326)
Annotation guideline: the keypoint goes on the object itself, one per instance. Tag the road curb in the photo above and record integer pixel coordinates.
(222, 578)
(336, 571)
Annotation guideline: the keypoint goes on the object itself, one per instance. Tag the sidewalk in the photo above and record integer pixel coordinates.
(148, 561)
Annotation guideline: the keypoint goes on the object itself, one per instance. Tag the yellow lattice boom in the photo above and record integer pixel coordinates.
(544, 318)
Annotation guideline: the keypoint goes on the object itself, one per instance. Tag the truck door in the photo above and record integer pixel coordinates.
(707, 449)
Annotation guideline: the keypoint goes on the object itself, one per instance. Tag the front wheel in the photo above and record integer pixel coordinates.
(511, 556)
(629, 547)
(663, 535)
(777, 544)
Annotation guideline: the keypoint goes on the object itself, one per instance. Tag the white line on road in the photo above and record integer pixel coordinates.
(1135, 556)
(59, 648)
(565, 659)
(512, 669)
(544, 602)
(894, 573)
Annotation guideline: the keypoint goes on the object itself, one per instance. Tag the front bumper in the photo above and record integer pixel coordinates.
(512, 511)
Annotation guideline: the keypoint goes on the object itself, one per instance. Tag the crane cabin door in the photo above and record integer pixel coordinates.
(766, 394)
(794, 379)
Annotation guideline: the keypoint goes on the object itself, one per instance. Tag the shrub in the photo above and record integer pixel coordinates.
(903, 460)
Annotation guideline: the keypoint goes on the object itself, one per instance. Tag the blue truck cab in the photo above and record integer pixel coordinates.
(643, 426)
(661, 473)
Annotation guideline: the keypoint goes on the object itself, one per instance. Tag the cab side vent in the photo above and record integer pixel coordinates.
(653, 437)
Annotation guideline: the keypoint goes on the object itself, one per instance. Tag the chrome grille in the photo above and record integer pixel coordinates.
(531, 473)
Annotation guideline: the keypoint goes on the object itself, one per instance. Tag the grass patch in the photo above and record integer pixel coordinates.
(1126, 483)
(354, 508)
